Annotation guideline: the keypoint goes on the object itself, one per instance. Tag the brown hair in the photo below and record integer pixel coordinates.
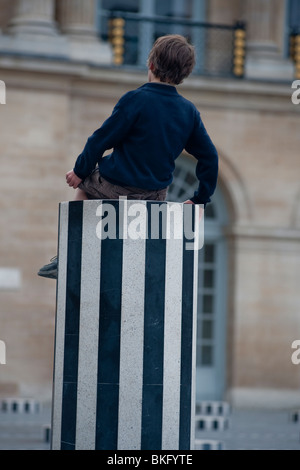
(171, 59)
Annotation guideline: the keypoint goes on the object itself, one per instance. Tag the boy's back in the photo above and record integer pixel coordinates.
(148, 130)
(161, 123)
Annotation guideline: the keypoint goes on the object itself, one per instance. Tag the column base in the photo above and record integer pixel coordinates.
(44, 28)
(58, 46)
(35, 44)
(89, 50)
(269, 68)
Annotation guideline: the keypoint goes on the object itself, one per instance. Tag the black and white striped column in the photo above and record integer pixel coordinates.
(125, 326)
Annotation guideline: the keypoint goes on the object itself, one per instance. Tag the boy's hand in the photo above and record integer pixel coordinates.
(201, 210)
(188, 202)
(72, 179)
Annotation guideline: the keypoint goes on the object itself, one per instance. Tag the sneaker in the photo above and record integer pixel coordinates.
(49, 270)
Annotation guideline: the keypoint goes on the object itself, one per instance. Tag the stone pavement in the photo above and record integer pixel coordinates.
(257, 430)
(24, 431)
(247, 430)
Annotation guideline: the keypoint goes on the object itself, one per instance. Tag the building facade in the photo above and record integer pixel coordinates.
(58, 64)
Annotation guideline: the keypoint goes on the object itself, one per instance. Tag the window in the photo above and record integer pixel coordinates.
(207, 305)
(146, 20)
(294, 14)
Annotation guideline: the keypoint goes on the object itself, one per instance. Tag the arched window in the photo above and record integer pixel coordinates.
(212, 311)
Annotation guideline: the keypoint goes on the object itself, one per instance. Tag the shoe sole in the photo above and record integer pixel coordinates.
(49, 275)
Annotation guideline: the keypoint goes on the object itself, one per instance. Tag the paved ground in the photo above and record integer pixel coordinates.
(248, 430)
(257, 430)
(20, 431)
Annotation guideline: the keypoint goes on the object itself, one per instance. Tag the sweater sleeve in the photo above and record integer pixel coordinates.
(202, 148)
(106, 137)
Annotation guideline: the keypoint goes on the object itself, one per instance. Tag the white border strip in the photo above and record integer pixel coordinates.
(198, 233)
(60, 326)
(132, 343)
(88, 331)
(172, 335)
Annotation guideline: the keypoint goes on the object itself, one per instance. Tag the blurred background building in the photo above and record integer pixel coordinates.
(65, 64)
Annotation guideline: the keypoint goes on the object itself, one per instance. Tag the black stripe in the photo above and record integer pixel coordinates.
(70, 374)
(151, 438)
(109, 340)
(186, 345)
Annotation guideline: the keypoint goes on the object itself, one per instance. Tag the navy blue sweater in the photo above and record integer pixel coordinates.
(148, 130)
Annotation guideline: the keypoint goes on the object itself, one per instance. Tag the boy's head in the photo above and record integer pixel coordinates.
(171, 59)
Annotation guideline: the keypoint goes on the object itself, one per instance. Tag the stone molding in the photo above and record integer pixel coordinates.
(34, 31)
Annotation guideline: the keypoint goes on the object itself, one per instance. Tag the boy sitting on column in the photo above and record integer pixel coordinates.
(148, 129)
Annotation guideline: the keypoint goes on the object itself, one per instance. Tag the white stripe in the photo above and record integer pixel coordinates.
(88, 331)
(172, 336)
(132, 342)
(195, 302)
(60, 327)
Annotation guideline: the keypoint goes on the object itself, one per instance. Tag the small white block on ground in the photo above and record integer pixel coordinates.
(10, 278)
